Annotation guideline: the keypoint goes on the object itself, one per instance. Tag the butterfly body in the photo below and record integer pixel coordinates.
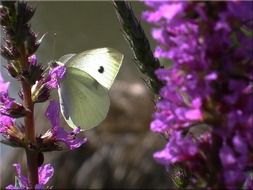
(83, 92)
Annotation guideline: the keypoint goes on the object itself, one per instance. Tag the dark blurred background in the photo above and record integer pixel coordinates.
(119, 151)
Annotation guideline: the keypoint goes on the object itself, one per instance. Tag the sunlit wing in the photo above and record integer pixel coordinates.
(83, 101)
(102, 64)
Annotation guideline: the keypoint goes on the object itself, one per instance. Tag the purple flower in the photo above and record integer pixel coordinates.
(45, 173)
(32, 59)
(9, 110)
(227, 156)
(7, 105)
(55, 75)
(4, 97)
(208, 84)
(164, 10)
(58, 133)
(6, 122)
(178, 149)
(3, 86)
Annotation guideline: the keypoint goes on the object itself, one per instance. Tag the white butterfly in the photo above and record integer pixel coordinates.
(83, 92)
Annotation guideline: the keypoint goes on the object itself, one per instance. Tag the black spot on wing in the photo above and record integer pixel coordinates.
(101, 69)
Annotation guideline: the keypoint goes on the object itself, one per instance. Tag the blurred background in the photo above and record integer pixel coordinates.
(119, 151)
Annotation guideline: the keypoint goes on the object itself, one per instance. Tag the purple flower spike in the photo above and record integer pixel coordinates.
(58, 133)
(55, 75)
(207, 91)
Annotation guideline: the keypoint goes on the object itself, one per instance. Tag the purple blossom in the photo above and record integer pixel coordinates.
(207, 85)
(58, 133)
(3, 86)
(178, 149)
(11, 133)
(165, 10)
(32, 59)
(45, 172)
(55, 76)
(5, 100)
(6, 122)
(227, 156)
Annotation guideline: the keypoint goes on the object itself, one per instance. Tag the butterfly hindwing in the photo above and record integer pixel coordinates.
(83, 101)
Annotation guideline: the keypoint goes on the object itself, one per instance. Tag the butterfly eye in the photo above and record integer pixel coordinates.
(101, 69)
(54, 64)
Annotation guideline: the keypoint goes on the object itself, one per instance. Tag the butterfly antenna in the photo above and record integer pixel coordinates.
(53, 55)
(54, 46)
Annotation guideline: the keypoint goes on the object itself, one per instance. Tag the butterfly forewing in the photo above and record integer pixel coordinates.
(101, 64)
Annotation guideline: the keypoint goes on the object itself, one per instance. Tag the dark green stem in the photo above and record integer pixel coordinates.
(139, 44)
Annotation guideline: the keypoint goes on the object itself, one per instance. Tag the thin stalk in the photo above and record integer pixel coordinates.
(31, 155)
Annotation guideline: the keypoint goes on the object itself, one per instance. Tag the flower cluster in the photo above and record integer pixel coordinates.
(205, 111)
(13, 134)
(19, 46)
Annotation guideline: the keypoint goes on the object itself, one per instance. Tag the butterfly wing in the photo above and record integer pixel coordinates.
(64, 59)
(83, 101)
(102, 64)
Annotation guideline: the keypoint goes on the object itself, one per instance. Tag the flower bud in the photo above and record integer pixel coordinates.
(32, 59)
(40, 92)
(13, 109)
(12, 70)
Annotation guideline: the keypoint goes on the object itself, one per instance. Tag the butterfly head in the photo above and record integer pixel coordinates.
(53, 64)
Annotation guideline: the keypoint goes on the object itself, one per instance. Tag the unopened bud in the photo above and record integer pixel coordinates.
(12, 70)
(13, 109)
(40, 92)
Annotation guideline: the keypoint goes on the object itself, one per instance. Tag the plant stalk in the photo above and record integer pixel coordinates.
(136, 37)
(31, 155)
